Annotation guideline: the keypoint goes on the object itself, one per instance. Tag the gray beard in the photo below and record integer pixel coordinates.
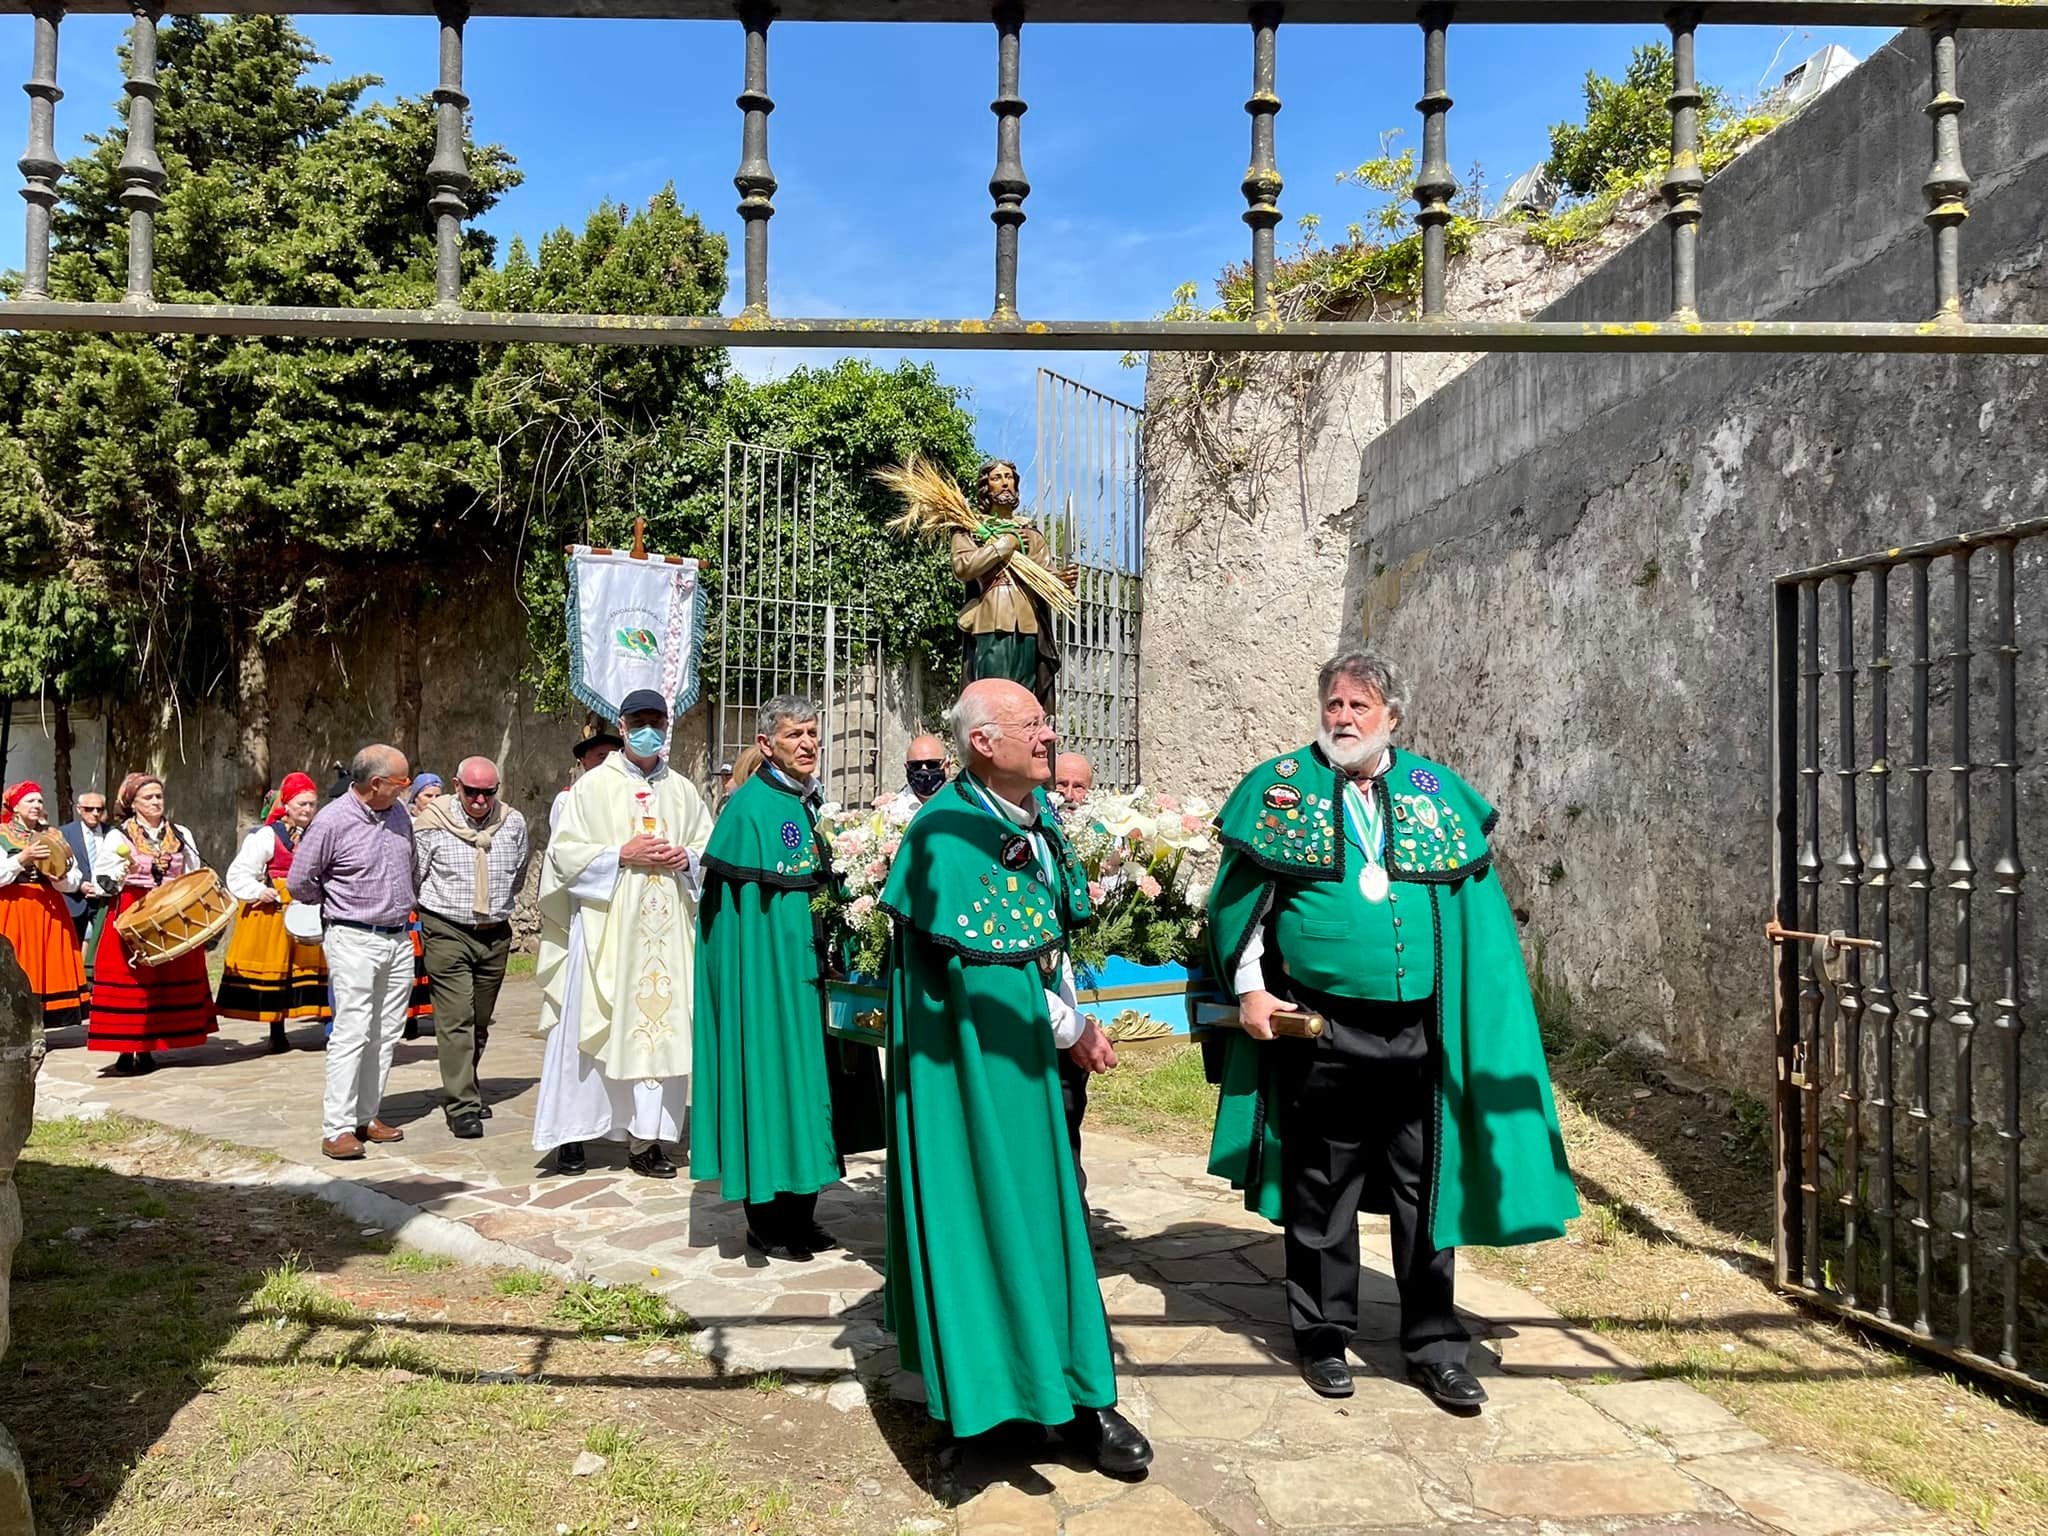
(1356, 753)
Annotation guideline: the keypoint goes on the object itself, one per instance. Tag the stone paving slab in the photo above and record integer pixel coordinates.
(1573, 1441)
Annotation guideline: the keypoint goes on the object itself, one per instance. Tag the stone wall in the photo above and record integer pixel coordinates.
(1572, 558)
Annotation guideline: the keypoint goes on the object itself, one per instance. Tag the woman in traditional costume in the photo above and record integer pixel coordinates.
(270, 976)
(139, 1010)
(33, 917)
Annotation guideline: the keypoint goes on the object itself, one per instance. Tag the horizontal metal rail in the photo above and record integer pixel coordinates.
(1933, 549)
(1631, 336)
(1772, 13)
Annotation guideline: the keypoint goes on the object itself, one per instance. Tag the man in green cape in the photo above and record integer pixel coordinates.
(990, 1283)
(776, 1103)
(1356, 884)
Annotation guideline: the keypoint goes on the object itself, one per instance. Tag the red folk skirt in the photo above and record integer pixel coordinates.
(147, 1007)
(37, 925)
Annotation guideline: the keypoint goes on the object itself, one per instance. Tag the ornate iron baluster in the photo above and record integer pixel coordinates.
(448, 174)
(142, 170)
(1684, 182)
(2009, 872)
(755, 180)
(1435, 186)
(1849, 876)
(1810, 994)
(1262, 182)
(1962, 883)
(1883, 1006)
(1009, 186)
(1920, 995)
(39, 164)
(1948, 184)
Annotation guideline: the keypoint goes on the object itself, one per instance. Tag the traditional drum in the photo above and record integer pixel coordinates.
(176, 918)
(51, 854)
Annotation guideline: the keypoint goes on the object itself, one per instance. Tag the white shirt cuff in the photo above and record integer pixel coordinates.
(1250, 975)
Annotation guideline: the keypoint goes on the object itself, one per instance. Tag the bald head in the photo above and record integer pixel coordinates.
(476, 785)
(1004, 735)
(1073, 776)
(925, 749)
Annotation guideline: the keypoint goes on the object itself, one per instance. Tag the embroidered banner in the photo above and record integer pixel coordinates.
(633, 624)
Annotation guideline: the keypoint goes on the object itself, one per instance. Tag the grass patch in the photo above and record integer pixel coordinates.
(1157, 1090)
(520, 963)
(522, 1282)
(289, 1292)
(411, 1261)
(630, 1311)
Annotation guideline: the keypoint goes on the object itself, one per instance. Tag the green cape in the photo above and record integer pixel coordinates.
(990, 1283)
(1500, 1175)
(775, 1102)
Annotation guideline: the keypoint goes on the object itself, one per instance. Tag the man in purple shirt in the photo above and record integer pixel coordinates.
(355, 860)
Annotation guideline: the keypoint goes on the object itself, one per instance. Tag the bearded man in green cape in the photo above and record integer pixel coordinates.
(1357, 884)
(776, 1103)
(989, 1281)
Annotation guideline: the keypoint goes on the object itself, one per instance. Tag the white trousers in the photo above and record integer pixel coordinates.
(371, 974)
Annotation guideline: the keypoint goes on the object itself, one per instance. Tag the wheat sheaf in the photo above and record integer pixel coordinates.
(935, 508)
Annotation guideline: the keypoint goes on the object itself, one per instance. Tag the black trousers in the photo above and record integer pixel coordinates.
(785, 1219)
(1359, 1104)
(1074, 1095)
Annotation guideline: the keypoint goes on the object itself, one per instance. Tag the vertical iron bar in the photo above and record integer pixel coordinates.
(1920, 995)
(1810, 994)
(142, 170)
(1008, 186)
(1434, 183)
(1849, 876)
(39, 164)
(1962, 883)
(1883, 1005)
(1948, 184)
(2009, 872)
(1262, 182)
(448, 174)
(1684, 182)
(755, 180)
(1789, 1256)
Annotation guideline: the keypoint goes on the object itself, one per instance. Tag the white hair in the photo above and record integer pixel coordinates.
(973, 712)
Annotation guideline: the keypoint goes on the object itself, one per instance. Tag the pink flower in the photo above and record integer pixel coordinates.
(846, 845)
(1095, 890)
(1148, 887)
(1168, 803)
(878, 869)
(859, 911)
(1191, 824)
(889, 848)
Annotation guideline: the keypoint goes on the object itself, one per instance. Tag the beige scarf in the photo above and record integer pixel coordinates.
(446, 814)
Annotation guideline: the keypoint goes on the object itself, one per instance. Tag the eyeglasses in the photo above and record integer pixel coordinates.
(482, 793)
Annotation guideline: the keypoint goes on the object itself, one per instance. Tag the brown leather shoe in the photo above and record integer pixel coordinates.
(379, 1132)
(342, 1147)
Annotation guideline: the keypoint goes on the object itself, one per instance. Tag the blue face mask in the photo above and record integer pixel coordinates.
(646, 740)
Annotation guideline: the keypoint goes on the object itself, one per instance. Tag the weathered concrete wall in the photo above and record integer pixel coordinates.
(21, 1056)
(1572, 558)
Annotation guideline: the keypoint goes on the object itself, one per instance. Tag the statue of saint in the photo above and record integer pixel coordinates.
(1007, 628)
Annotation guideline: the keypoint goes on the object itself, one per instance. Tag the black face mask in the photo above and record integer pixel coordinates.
(926, 778)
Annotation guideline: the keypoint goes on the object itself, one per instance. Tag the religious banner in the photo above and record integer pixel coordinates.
(633, 623)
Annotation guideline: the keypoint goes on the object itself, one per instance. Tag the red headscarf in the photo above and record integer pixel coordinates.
(294, 785)
(16, 793)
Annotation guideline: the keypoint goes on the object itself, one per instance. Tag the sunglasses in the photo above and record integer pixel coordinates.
(483, 793)
(924, 762)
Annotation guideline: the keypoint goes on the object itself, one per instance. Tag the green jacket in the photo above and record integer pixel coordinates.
(1500, 1175)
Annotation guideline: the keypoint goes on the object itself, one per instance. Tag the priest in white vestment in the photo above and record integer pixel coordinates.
(618, 906)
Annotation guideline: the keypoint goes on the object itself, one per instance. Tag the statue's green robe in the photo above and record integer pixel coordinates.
(989, 1282)
(1500, 1175)
(775, 1103)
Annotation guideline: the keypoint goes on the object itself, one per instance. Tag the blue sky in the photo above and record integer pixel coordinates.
(1135, 143)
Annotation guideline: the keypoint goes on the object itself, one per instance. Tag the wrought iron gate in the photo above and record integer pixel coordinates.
(1091, 496)
(1908, 1194)
(783, 627)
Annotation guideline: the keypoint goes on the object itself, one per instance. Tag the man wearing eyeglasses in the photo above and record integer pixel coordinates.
(90, 904)
(469, 853)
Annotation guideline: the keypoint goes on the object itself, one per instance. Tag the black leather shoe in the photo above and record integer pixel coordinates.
(1449, 1386)
(796, 1253)
(651, 1164)
(1329, 1375)
(465, 1127)
(1108, 1439)
(485, 1111)
(571, 1159)
(816, 1239)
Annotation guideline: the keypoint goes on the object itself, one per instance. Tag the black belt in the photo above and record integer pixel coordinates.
(490, 927)
(349, 922)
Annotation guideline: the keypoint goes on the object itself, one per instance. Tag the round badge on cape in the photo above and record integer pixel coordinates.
(1016, 853)
(791, 835)
(1287, 767)
(1424, 780)
(1283, 797)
